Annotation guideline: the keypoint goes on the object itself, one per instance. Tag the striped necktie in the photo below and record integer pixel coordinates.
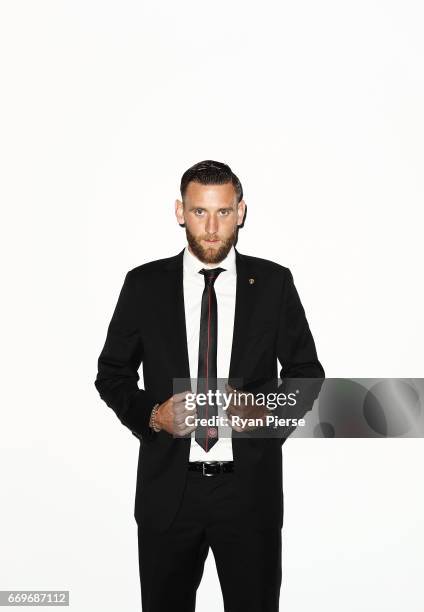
(207, 435)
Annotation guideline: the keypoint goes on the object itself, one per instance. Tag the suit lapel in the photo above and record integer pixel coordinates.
(176, 313)
(246, 293)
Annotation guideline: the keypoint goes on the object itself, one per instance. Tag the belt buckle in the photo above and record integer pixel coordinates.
(205, 463)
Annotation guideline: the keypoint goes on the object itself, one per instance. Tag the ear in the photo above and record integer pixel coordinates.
(241, 211)
(179, 212)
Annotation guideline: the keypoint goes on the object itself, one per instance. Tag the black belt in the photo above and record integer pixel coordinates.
(209, 468)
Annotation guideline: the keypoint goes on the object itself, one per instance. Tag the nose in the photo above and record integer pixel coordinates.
(211, 224)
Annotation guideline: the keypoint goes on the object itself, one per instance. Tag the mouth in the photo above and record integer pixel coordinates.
(211, 241)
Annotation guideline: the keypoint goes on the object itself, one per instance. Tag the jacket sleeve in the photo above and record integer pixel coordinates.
(297, 355)
(118, 365)
(295, 345)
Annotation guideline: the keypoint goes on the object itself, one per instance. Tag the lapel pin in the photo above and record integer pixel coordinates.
(251, 281)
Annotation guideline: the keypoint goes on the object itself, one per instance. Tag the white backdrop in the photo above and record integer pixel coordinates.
(317, 107)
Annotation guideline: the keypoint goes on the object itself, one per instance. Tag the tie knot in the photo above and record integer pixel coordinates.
(211, 274)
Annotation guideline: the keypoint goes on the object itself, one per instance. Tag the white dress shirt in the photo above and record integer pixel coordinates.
(225, 289)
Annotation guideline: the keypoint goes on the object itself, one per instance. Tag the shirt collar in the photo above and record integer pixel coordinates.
(193, 265)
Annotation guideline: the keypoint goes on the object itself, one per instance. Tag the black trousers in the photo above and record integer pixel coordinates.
(247, 556)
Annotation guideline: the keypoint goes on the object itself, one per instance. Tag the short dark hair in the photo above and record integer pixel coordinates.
(209, 172)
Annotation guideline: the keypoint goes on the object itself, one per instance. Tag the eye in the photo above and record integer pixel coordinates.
(198, 212)
(225, 212)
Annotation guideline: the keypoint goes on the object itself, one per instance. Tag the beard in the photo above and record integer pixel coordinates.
(210, 255)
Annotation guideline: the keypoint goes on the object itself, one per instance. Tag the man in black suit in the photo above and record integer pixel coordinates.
(213, 313)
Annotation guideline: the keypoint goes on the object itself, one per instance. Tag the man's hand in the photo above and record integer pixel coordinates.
(245, 408)
(171, 415)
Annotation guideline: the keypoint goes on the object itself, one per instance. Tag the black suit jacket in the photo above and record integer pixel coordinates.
(148, 327)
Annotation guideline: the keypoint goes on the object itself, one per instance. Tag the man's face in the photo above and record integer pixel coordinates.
(211, 217)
